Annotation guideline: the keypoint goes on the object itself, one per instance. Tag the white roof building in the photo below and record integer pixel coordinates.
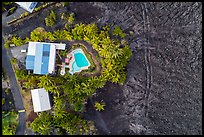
(40, 99)
(29, 6)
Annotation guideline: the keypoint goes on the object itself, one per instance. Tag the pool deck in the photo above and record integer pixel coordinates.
(70, 61)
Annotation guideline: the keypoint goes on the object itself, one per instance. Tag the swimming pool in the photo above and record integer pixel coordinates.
(80, 61)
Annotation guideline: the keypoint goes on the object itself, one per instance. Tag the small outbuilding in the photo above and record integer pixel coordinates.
(40, 99)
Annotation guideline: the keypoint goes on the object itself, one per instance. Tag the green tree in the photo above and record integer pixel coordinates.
(21, 74)
(59, 35)
(73, 124)
(67, 26)
(50, 36)
(78, 31)
(17, 41)
(47, 82)
(36, 35)
(59, 106)
(43, 124)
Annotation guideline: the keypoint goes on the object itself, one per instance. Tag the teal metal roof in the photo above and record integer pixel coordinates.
(40, 62)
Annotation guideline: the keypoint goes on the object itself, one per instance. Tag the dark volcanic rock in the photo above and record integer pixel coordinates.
(162, 94)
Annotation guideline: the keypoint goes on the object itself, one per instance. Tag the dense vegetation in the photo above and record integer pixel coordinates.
(70, 92)
(50, 20)
(9, 123)
(71, 123)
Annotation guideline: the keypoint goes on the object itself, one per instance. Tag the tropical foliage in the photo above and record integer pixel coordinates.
(43, 124)
(99, 106)
(118, 32)
(9, 123)
(17, 41)
(50, 20)
(71, 18)
(13, 60)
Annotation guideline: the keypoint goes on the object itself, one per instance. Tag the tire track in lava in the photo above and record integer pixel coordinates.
(146, 29)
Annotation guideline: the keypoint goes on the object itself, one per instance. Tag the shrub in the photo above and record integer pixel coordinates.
(118, 32)
(21, 74)
(11, 10)
(3, 101)
(123, 42)
(71, 18)
(13, 60)
(37, 34)
(7, 91)
(9, 123)
(7, 44)
(63, 17)
(131, 33)
(65, 4)
(26, 40)
(67, 26)
(17, 41)
(24, 15)
(99, 106)
(50, 20)
(78, 107)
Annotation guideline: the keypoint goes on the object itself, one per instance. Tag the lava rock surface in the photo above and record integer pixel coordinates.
(162, 93)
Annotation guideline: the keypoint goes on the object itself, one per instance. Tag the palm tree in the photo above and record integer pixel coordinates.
(49, 84)
(43, 124)
(59, 35)
(99, 106)
(45, 81)
(116, 52)
(104, 52)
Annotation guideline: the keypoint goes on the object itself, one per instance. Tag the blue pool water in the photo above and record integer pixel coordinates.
(80, 61)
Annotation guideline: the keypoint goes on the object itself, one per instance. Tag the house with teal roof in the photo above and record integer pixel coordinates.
(41, 57)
